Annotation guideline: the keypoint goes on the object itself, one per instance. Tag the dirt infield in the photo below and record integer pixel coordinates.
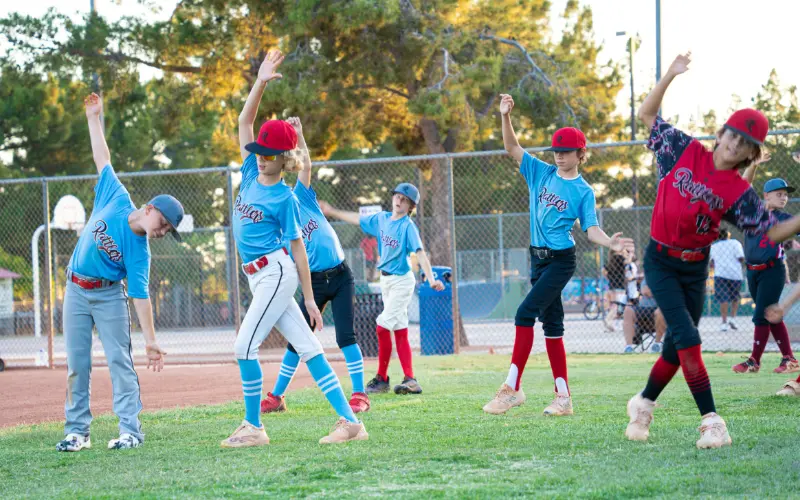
(37, 395)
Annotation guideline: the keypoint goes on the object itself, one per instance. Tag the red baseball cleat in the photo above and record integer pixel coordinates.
(273, 404)
(359, 402)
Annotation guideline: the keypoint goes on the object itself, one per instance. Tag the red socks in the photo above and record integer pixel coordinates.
(519, 356)
(404, 352)
(694, 371)
(781, 336)
(384, 350)
(660, 375)
(760, 338)
(558, 363)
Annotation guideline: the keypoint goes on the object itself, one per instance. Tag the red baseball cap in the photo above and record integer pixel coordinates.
(274, 138)
(750, 124)
(567, 139)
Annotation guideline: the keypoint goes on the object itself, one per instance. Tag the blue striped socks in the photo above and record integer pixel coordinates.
(355, 366)
(329, 384)
(288, 368)
(252, 378)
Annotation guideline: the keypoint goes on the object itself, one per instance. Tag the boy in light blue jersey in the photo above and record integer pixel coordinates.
(398, 237)
(266, 215)
(559, 196)
(331, 280)
(113, 246)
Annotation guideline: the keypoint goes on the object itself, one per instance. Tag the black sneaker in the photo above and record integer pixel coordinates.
(378, 385)
(409, 386)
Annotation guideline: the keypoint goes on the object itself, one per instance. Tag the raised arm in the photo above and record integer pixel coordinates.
(247, 117)
(100, 152)
(304, 175)
(649, 108)
(349, 217)
(750, 172)
(510, 141)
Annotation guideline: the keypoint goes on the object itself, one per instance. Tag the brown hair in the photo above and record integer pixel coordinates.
(757, 149)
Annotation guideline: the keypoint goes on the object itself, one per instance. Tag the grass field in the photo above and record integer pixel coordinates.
(441, 444)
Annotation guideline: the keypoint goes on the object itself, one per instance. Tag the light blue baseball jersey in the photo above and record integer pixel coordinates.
(555, 204)
(108, 248)
(322, 244)
(263, 216)
(396, 240)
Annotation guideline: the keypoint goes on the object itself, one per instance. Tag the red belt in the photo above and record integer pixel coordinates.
(258, 264)
(87, 284)
(684, 255)
(761, 267)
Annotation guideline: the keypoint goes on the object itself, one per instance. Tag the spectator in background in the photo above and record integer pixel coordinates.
(631, 278)
(369, 245)
(727, 257)
(615, 272)
(642, 318)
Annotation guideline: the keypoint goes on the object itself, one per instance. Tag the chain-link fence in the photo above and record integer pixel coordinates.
(473, 218)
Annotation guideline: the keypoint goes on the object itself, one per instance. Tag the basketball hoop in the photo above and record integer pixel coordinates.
(69, 214)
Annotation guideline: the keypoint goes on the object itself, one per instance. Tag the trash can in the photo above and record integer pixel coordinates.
(436, 315)
(367, 308)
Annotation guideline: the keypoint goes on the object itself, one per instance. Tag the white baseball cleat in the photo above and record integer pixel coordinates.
(713, 432)
(124, 442)
(74, 442)
(640, 411)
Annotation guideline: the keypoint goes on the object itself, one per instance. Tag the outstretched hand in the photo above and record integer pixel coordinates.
(93, 104)
(266, 72)
(681, 64)
(506, 104)
(620, 244)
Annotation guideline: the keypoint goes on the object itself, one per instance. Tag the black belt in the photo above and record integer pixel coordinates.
(549, 253)
(384, 273)
(329, 273)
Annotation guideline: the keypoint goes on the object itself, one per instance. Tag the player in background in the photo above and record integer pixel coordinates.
(726, 257)
(558, 197)
(775, 314)
(332, 282)
(766, 277)
(114, 245)
(697, 190)
(266, 215)
(398, 237)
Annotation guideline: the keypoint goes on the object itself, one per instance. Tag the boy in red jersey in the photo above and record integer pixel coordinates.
(697, 190)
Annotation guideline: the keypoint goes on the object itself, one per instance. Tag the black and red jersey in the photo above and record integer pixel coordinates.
(694, 197)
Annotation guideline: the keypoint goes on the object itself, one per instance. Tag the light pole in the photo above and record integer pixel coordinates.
(631, 49)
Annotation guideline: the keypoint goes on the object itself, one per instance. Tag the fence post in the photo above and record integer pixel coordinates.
(454, 278)
(420, 208)
(502, 250)
(600, 297)
(48, 270)
(233, 260)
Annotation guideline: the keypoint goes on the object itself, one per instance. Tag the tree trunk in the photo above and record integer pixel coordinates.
(440, 232)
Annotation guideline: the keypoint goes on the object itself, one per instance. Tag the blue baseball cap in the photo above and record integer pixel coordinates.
(776, 184)
(409, 191)
(171, 209)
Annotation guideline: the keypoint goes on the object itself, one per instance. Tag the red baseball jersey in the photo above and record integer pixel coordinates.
(694, 197)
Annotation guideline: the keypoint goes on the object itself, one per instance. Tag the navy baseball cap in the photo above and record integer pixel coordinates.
(171, 209)
(409, 191)
(776, 184)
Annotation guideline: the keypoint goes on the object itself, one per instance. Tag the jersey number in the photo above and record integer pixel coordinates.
(703, 223)
(766, 242)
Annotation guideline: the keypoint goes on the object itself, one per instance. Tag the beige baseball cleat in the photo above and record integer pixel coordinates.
(346, 431)
(505, 399)
(790, 388)
(246, 435)
(560, 407)
(640, 411)
(713, 432)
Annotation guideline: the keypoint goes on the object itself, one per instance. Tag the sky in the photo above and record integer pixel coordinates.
(733, 49)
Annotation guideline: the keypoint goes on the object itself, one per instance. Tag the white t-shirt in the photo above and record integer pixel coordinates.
(631, 270)
(726, 255)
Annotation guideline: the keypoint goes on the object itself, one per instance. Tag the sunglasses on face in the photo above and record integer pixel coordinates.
(268, 158)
